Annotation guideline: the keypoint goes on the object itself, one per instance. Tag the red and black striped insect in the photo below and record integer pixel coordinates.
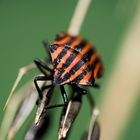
(75, 62)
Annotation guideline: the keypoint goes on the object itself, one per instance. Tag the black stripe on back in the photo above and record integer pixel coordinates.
(53, 48)
(78, 65)
(97, 60)
(70, 60)
(88, 55)
(59, 57)
(91, 81)
(63, 52)
(73, 70)
(70, 41)
(100, 71)
(80, 46)
(65, 65)
(81, 76)
(100, 74)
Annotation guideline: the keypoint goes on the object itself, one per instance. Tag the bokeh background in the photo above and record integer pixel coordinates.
(23, 26)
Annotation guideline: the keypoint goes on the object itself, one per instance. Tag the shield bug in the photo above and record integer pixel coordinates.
(75, 62)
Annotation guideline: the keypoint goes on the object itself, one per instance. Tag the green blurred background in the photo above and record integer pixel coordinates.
(23, 26)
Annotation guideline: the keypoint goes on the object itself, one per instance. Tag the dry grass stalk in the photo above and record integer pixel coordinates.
(68, 116)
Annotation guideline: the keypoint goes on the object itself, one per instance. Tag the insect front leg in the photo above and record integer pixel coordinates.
(42, 66)
(43, 103)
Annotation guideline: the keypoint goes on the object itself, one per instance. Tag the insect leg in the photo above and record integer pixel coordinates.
(65, 99)
(64, 95)
(40, 78)
(46, 87)
(96, 86)
(68, 116)
(21, 73)
(79, 89)
(42, 66)
(54, 106)
(42, 90)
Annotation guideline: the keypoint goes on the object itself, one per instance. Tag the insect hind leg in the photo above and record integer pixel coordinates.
(65, 99)
(79, 89)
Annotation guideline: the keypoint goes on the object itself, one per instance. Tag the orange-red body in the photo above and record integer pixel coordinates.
(75, 60)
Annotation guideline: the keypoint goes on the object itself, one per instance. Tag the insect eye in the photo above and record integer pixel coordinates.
(60, 36)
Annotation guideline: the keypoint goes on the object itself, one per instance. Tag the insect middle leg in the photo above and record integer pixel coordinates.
(43, 68)
(40, 78)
